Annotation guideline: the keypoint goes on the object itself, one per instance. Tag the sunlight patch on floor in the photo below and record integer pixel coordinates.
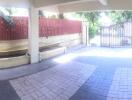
(95, 52)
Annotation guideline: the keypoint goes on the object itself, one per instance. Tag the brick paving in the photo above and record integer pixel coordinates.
(57, 83)
(112, 79)
(121, 87)
(89, 76)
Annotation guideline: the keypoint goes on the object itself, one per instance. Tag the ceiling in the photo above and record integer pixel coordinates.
(70, 5)
(39, 3)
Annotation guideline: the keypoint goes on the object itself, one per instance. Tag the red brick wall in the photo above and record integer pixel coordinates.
(53, 27)
(47, 27)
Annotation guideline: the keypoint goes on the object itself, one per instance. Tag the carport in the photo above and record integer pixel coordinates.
(89, 73)
(61, 7)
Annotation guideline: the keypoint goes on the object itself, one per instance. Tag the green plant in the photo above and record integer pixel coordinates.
(93, 30)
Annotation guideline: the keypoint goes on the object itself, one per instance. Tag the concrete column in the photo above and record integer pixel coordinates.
(85, 33)
(33, 35)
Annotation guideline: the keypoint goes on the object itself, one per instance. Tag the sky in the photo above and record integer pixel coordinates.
(105, 20)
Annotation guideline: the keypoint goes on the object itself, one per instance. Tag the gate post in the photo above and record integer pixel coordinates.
(85, 33)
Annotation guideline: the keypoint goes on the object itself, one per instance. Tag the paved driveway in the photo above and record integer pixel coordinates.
(87, 74)
(112, 79)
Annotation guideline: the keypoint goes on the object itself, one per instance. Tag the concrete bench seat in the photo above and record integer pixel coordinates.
(14, 61)
(14, 58)
(52, 52)
(20, 52)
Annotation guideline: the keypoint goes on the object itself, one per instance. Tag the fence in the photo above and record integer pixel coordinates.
(47, 27)
(119, 35)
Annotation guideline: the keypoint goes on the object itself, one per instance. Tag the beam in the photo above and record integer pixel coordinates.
(103, 2)
(87, 6)
(95, 5)
(44, 3)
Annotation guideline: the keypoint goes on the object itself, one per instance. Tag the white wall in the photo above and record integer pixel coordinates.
(64, 40)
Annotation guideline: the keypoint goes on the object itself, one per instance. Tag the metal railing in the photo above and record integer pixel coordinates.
(119, 35)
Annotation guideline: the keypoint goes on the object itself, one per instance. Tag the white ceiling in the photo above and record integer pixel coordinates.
(39, 3)
(71, 5)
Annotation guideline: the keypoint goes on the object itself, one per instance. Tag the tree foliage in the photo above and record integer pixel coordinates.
(119, 16)
(8, 19)
(127, 15)
(93, 19)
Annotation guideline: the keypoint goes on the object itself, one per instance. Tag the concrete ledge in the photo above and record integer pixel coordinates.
(71, 43)
(17, 45)
(51, 53)
(14, 61)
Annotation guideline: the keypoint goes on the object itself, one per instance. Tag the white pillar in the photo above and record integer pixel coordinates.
(85, 33)
(33, 35)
